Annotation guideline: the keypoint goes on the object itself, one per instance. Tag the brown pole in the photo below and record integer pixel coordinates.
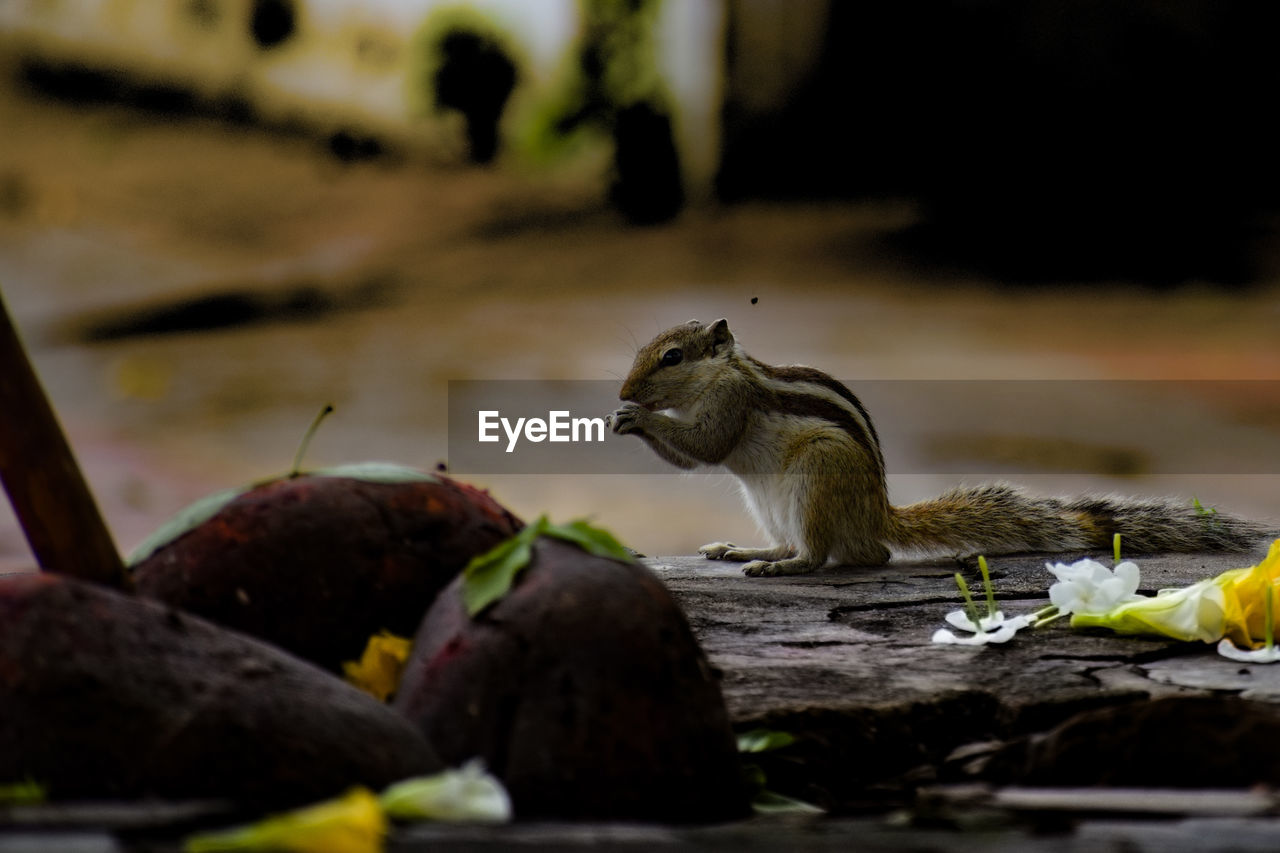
(49, 495)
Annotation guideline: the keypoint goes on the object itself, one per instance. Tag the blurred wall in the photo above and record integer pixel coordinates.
(1096, 138)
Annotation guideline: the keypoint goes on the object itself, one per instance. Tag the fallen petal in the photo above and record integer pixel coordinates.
(353, 823)
(468, 794)
(960, 619)
(1004, 635)
(1229, 650)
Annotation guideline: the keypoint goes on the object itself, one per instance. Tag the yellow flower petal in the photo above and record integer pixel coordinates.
(378, 670)
(1246, 592)
(353, 823)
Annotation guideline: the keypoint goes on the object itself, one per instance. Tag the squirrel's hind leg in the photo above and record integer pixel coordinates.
(815, 538)
(774, 568)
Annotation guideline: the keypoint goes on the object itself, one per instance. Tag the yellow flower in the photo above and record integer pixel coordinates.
(378, 670)
(1246, 592)
(1232, 605)
(353, 823)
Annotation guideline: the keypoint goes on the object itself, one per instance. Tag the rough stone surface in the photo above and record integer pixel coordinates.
(843, 659)
(857, 638)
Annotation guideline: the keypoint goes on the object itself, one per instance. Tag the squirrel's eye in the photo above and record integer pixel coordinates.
(672, 356)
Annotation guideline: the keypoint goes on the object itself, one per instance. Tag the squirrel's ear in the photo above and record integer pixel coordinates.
(720, 334)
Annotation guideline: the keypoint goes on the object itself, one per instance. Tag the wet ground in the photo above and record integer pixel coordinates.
(371, 285)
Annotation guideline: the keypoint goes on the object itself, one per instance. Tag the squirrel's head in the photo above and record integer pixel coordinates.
(672, 370)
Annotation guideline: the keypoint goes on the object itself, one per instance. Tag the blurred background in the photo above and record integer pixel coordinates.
(216, 216)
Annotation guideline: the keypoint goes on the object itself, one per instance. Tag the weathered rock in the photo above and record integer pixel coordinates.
(842, 659)
(104, 695)
(317, 564)
(860, 637)
(583, 689)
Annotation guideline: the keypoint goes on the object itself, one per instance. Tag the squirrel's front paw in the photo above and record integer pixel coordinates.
(717, 550)
(627, 419)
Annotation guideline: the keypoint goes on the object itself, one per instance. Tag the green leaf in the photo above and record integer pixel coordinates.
(188, 518)
(489, 581)
(764, 740)
(376, 472)
(490, 575)
(593, 540)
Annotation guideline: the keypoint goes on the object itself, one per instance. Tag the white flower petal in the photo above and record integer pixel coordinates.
(1090, 588)
(1228, 649)
(1099, 573)
(1017, 623)
(960, 619)
(1108, 593)
(1003, 635)
(1075, 571)
(1129, 573)
(1065, 596)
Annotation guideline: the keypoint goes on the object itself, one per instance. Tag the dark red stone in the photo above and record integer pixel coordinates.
(103, 695)
(318, 564)
(583, 689)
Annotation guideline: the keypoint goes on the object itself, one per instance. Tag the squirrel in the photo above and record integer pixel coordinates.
(808, 460)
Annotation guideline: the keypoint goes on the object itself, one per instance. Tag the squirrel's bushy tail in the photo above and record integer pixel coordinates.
(1000, 519)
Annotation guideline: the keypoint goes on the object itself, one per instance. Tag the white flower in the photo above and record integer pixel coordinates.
(468, 794)
(1228, 649)
(1089, 587)
(989, 629)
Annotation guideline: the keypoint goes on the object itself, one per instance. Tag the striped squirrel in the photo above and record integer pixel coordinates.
(808, 460)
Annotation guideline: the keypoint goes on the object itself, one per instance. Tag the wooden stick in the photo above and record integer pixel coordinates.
(49, 494)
